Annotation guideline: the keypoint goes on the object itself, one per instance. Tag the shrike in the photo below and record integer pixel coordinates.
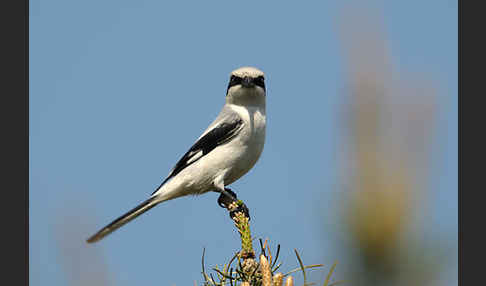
(227, 150)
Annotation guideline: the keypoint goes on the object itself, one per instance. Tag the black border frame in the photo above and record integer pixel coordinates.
(471, 50)
(14, 74)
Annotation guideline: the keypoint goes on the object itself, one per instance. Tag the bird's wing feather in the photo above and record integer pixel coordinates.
(222, 130)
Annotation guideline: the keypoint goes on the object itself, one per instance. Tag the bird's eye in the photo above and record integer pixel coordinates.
(260, 81)
(234, 80)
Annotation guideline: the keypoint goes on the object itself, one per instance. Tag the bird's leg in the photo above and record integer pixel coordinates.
(228, 200)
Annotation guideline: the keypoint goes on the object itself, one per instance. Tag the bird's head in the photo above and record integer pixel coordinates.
(246, 86)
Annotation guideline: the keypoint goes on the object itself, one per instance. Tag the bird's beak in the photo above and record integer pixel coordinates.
(247, 82)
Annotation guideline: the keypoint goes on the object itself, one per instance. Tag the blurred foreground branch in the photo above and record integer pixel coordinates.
(389, 125)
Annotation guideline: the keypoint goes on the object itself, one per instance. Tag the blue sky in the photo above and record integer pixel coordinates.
(119, 90)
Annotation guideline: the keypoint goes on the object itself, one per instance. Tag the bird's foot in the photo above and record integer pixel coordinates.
(240, 208)
(226, 198)
(229, 200)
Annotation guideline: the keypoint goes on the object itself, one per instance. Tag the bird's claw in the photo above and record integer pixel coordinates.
(241, 208)
(227, 198)
(224, 200)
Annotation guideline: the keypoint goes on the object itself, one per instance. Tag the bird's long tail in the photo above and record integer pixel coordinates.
(117, 223)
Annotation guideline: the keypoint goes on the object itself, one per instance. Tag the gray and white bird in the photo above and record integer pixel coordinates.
(226, 150)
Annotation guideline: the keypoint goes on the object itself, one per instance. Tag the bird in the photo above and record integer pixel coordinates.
(223, 153)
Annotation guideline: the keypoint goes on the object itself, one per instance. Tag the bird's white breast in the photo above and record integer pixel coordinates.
(248, 146)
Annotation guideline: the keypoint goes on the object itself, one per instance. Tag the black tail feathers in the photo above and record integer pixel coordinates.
(135, 212)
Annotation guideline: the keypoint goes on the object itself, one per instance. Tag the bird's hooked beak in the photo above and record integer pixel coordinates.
(247, 82)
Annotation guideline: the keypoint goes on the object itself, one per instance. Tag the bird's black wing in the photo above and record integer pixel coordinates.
(218, 135)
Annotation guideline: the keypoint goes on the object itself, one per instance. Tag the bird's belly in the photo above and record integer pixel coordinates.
(230, 161)
(240, 163)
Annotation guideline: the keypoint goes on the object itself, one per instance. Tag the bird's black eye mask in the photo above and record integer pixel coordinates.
(235, 80)
(260, 81)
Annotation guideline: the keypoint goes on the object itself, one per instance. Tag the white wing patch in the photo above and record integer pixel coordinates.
(194, 156)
